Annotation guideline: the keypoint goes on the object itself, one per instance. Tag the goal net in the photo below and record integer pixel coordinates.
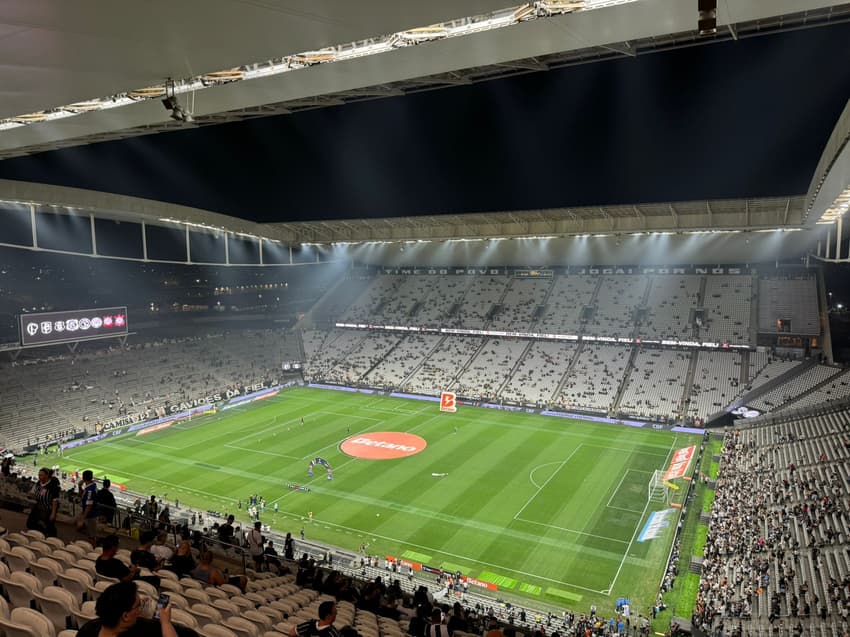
(658, 490)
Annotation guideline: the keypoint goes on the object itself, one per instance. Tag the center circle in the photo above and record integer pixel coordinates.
(383, 445)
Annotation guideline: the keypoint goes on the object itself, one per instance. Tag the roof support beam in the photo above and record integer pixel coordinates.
(675, 216)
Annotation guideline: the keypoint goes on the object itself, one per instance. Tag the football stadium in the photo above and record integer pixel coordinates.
(425, 319)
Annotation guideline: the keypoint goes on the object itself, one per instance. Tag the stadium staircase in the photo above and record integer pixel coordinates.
(745, 368)
(695, 565)
(299, 342)
(824, 383)
(826, 333)
(553, 399)
(773, 383)
(700, 304)
(459, 373)
(754, 310)
(424, 360)
(498, 307)
(510, 375)
(630, 367)
(689, 385)
(309, 318)
(381, 359)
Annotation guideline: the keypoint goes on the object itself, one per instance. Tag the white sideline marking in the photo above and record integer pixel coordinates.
(267, 453)
(531, 473)
(541, 487)
(454, 555)
(619, 484)
(640, 519)
(333, 413)
(140, 440)
(561, 528)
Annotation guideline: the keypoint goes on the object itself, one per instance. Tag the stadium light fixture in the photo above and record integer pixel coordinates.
(539, 9)
(839, 207)
(171, 103)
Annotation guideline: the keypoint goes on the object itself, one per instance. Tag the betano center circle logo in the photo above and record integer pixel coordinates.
(383, 445)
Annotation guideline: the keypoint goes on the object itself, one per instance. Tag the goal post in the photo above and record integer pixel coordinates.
(658, 490)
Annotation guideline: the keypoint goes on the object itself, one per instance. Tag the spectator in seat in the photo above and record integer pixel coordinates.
(272, 559)
(143, 556)
(119, 609)
(324, 626)
(208, 574)
(110, 566)
(182, 561)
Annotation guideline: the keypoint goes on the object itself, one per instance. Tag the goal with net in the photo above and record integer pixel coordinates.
(658, 490)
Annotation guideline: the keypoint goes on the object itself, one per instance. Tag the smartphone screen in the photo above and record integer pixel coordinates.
(161, 603)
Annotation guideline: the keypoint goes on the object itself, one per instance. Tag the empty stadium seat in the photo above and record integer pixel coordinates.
(58, 605)
(216, 630)
(242, 627)
(205, 614)
(19, 588)
(25, 622)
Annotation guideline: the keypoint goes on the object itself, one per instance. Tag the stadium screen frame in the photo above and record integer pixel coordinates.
(31, 336)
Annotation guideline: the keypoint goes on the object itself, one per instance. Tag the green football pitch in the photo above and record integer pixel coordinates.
(545, 508)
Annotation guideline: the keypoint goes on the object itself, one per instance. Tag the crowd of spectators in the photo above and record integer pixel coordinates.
(776, 556)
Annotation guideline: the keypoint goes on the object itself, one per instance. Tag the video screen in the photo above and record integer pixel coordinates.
(40, 328)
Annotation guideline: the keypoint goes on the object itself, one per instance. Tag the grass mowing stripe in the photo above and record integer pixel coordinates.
(567, 595)
(499, 580)
(496, 464)
(416, 557)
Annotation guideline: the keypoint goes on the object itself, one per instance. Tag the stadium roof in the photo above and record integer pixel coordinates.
(61, 60)
(56, 55)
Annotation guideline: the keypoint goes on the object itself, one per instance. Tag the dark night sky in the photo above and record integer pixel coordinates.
(737, 119)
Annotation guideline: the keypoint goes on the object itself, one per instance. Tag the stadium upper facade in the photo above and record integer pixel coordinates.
(487, 41)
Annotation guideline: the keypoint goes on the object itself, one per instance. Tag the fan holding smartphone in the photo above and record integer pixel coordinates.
(161, 603)
(120, 611)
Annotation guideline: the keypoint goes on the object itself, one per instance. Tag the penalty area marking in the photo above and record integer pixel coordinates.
(533, 471)
(549, 479)
(617, 488)
(637, 526)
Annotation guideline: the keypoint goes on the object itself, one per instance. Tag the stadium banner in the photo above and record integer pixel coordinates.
(257, 395)
(162, 425)
(448, 402)
(585, 338)
(549, 271)
(679, 463)
(655, 525)
(360, 390)
(396, 394)
(221, 396)
(480, 583)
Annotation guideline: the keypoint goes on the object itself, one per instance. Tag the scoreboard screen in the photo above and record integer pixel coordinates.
(42, 328)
